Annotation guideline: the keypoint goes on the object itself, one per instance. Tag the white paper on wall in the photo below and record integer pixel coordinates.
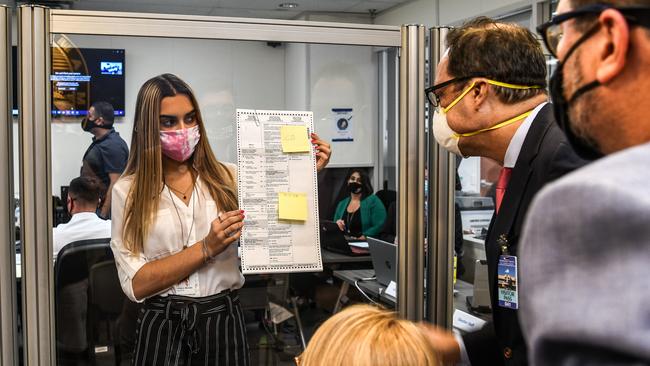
(342, 124)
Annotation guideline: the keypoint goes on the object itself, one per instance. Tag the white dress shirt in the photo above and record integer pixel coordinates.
(517, 141)
(82, 226)
(174, 225)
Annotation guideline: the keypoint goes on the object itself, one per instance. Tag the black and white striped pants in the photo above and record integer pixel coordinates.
(180, 330)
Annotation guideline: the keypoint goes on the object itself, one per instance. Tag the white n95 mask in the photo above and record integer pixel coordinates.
(444, 135)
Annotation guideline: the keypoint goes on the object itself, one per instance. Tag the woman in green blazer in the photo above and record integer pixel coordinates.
(361, 214)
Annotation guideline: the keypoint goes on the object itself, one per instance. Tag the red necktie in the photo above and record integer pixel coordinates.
(502, 184)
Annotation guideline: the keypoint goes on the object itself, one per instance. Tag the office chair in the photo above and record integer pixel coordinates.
(105, 304)
(387, 196)
(71, 272)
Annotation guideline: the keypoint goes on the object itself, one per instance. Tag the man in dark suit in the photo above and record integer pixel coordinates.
(491, 101)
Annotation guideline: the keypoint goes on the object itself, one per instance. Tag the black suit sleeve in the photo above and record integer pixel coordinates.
(564, 160)
(482, 347)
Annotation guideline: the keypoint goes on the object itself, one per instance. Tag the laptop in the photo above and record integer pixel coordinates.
(384, 256)
(334, 240)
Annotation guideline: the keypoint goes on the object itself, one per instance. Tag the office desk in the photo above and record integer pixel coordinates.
(332, 258)
(474, 249)
(373, 288)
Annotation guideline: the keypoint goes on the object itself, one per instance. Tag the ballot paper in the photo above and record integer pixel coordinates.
(277, 188)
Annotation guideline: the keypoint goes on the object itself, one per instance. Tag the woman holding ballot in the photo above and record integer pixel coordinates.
(361, 214)
(175, 219)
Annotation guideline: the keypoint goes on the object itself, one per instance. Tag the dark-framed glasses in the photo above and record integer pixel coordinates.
(552, 32)
(434, 98)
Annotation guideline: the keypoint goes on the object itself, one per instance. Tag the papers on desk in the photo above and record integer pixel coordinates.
(359, 244)
(391, 289)
(278, 190)
(467, 322)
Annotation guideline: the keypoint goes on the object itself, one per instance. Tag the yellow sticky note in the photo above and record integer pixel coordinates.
(294, 139)
(292, 206)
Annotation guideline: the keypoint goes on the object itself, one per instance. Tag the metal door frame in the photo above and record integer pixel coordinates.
(441, 221)
(8, 304)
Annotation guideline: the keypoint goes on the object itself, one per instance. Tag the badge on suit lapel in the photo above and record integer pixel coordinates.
(502, 242)
(507, 276)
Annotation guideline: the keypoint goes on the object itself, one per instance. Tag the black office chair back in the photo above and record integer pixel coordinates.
(75, 259)
(105, 291)
(71, 272)
(387, 196)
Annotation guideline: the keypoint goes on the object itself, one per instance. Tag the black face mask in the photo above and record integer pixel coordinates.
(87, 124)
(355, 187)
(583, 147)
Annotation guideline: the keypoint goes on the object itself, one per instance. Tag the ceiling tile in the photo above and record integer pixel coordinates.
(366, 5)
(243, 8)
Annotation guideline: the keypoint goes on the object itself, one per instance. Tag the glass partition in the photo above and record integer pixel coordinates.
(94, 321)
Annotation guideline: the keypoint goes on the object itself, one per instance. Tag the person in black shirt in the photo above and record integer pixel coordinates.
(361, 213)
(106, 157)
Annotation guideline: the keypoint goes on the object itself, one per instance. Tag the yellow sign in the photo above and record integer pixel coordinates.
(294, 139)
(292, 206)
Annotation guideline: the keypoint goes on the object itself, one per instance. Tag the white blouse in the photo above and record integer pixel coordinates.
(173, 220)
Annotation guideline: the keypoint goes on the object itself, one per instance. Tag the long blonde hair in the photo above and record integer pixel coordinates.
(145, 161)
(363, 335)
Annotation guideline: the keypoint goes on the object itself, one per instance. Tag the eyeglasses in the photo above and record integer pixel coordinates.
(434, 98)
(552, 32)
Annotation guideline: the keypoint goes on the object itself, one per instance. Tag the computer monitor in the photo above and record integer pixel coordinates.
(333, 239)
(384, 256)
(80, 77)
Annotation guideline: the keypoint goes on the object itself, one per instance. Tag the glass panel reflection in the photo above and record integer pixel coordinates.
(96, 322)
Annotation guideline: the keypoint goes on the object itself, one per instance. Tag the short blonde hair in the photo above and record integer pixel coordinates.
(363, 335)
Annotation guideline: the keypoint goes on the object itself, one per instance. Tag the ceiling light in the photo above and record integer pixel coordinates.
(288, 5)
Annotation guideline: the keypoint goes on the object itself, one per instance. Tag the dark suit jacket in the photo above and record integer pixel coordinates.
(545, 156)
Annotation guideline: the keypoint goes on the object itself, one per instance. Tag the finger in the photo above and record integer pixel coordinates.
(324, 149)
(232, 238)
(221, 236)
(226, 215)
(231, 220)
(321, 158)
(230, 230)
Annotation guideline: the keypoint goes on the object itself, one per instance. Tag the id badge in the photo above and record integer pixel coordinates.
(507, 282)
(188, 286)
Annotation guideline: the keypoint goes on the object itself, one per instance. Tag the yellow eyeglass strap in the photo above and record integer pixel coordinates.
(459, 97)
(493, 82)
(502, 124)
(513, 86)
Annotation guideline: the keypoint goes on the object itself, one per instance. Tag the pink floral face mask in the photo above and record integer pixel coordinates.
(180, 144)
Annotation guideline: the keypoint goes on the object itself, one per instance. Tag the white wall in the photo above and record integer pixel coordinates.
(226, 75)
(321, 77)
(413, 12)
(446, 12)
(454, 12)
(345, 77)
(232, 74)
